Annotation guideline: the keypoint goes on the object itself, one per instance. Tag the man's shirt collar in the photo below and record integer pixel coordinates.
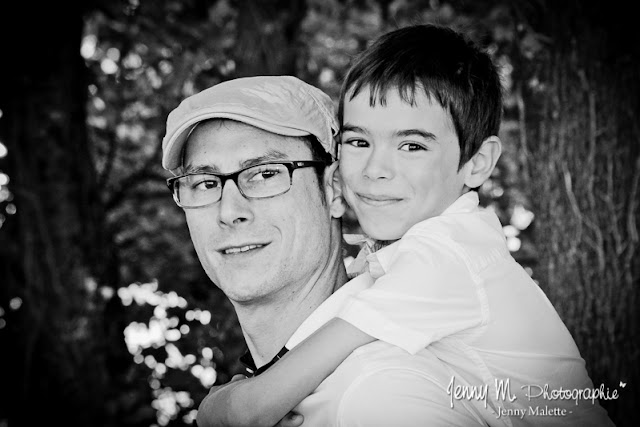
(250, 366)
(325, 312)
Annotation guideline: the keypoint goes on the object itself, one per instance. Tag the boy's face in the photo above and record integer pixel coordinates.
(398, 163)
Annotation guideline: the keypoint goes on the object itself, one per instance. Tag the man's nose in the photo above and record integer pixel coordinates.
(234, 207)
(379, 165)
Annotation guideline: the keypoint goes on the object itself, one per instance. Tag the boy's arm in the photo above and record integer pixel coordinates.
(269, 397)
(208, 407)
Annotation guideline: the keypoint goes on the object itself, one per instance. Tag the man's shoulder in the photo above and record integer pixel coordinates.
(380, 359)
(362, 371)
(382, 356)
(382, 382)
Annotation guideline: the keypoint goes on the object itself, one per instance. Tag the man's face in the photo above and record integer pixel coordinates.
(288, 235)
(398, 163)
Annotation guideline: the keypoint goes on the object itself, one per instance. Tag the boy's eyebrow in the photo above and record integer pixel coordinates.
(351, 128)
(271, 155)
(417, 132)
(402, 133)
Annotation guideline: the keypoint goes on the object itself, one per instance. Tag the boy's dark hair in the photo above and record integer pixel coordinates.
(448, 66)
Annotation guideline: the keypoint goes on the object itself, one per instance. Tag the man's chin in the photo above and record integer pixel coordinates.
(244, 290)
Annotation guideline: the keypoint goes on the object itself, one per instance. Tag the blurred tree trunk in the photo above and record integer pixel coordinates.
(268, 36)
(580, 152)
(55, 251)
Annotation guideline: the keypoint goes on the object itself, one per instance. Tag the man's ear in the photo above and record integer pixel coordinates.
(481, 165)
(333, 191)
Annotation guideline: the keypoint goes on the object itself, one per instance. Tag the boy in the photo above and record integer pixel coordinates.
(420, 112)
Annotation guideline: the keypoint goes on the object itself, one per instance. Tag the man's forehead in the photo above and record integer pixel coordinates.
(233, 145)
(195, 164)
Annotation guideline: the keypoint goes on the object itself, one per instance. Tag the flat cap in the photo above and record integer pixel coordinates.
(284, 105)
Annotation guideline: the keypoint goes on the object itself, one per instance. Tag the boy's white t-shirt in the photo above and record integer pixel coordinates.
(451, 284)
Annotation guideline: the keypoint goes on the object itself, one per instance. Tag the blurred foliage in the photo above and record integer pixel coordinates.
(143, 58)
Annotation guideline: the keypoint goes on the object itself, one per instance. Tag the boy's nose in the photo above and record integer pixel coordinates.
(379, 165)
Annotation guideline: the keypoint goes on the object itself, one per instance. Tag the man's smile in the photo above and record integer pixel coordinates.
(234, 249)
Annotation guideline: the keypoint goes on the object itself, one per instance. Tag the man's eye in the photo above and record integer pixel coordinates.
(361, 143)
(411, 146)
(205, 184)
(264, 174)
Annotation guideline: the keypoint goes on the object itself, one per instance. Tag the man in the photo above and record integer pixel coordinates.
(273, 245)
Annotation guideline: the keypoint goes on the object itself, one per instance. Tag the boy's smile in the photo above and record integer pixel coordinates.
(398, 162)
(377, 200)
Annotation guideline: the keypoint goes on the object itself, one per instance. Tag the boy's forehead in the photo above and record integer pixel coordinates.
(397, 117)
(379, 93)
(392, 98)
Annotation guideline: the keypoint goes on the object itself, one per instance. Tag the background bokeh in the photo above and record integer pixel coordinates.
(106, 317)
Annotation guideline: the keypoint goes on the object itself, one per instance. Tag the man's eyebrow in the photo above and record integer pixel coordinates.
(200, 169)
(270, 155)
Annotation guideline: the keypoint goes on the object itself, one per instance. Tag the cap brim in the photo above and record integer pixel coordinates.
(172, 159)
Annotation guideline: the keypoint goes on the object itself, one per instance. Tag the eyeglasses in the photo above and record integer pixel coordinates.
(196, 190)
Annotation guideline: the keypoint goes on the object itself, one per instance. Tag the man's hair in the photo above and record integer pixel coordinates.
(444, 63)
(319, 153)
(317, 150)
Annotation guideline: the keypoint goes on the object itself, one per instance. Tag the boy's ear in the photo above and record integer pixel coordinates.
(481, 165)
(333, 190)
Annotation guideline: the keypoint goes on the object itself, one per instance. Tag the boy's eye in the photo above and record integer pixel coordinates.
(411, 146)
(356, 143)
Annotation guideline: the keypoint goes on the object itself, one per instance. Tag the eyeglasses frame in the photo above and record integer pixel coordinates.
(291, 165)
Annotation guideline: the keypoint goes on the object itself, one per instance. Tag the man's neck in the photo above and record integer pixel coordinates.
(268, 325)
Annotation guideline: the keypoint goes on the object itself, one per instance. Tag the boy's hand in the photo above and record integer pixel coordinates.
(292, 419)
(237, 377)
(201, 419)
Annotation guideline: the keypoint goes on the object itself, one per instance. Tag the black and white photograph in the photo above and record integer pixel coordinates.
(319, 213)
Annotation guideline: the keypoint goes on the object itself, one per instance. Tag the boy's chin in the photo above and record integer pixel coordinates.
(384, 234)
